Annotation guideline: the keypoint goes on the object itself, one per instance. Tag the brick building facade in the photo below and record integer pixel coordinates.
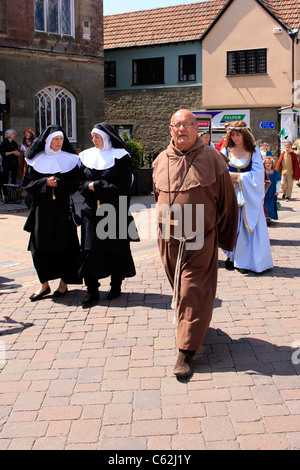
(51, 63)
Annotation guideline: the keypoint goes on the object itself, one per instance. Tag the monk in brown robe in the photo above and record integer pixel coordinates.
(197, 213)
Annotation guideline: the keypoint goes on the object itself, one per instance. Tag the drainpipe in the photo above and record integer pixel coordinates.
(294, 34)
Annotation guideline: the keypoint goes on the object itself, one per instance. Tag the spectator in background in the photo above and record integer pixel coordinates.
(264, 150)
(296, 150)
(296, 146)
(222, 144)
(205, 136)
(289, 169)
(29, 138)
(10, 156)
(270, 199)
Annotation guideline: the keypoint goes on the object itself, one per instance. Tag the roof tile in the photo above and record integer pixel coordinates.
(180, 23)
(160, 25)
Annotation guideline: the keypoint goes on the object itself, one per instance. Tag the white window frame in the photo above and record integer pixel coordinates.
(46, 20)
(51, 93)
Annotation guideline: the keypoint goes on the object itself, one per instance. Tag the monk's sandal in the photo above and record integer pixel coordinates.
(183, 367)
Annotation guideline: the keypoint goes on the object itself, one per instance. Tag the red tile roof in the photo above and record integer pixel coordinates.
(160, 25)
(288, 11)
(180, 23)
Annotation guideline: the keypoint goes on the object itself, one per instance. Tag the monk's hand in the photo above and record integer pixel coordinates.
(51, 181)
(91, 186)
(234, 178)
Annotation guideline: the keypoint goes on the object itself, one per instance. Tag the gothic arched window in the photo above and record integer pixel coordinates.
(55, 105)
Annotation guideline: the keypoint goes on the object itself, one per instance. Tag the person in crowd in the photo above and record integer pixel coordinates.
(222, 144)
(296, 146)
(264, 150)
(205, 136)
(51, 177)
(296, 150)
(270, 199)
(187, 177)
(289, 169)
(10, 157)
(28, 140)
(105, 182)
(252, 251)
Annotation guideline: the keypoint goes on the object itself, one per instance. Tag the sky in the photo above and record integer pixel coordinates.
(112, 7)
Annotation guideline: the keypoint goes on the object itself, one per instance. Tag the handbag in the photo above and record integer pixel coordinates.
(278, 206)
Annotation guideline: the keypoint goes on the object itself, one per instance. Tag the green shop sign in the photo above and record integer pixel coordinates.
(233, 117)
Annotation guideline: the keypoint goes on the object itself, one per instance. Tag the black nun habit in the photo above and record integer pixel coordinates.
(106, 235)
(52, 221)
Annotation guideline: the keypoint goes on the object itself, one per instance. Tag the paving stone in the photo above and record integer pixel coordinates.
(103, 378)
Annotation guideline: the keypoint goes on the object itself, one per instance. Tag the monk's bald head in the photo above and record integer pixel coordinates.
(183, 129)
(185, 113)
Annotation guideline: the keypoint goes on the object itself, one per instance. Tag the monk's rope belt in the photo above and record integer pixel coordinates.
(182, 242)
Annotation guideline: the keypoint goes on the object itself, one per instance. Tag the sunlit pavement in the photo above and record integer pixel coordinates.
(103, 378)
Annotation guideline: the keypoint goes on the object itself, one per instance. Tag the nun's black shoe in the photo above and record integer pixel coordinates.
(90, 299)
(114, 293)
(115, 287)
(35, 297)
(57, 293)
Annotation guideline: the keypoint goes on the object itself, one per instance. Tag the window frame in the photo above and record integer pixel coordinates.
(46, 19)
(51, 94)
(183, 66)
(246, 52)
(136, 73)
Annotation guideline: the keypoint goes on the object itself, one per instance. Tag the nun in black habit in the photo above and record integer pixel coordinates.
(51, 177)
(107, 226)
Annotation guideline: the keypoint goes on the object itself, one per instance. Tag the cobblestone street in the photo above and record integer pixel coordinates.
(103, 378)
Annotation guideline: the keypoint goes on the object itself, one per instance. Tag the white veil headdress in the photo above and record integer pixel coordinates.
(52, 162)
(104, 158)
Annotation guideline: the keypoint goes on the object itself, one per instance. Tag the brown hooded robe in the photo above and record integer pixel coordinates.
(205, 181)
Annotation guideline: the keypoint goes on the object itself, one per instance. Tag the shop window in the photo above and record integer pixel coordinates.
(187, 68)
(247, 62)
(148, 71)
(54, 105)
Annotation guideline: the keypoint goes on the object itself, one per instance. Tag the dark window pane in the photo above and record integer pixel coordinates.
(148, 71)
(53, 16)
(39, 15)
(247, 62)
(66, 17)
(187, 68)
(110, 76)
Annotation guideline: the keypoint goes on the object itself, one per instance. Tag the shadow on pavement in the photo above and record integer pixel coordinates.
(11, 327)
(221, 353)
(5, 287)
